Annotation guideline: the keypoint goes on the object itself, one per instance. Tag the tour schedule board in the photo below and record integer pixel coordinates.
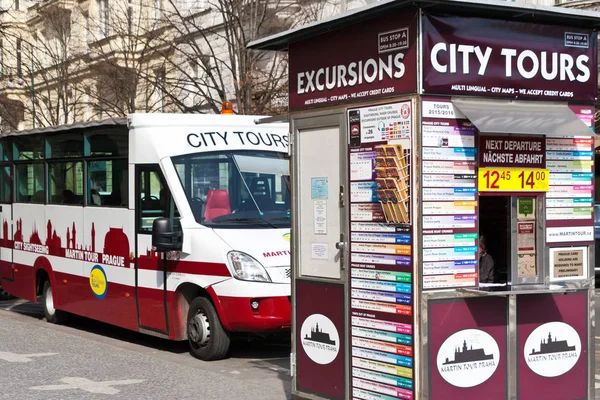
(449, 196)
(570, 199)
(381, 245)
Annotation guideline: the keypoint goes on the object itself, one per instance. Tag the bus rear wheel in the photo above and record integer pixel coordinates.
(4, 295)
(206, 336)
(52, 315)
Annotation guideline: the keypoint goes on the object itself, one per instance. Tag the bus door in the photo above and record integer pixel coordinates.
(153, 201)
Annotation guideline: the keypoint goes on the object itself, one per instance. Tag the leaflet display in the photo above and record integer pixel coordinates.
(449, 197)
(381, 247)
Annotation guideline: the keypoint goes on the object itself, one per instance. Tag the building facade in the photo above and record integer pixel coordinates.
(64, 61)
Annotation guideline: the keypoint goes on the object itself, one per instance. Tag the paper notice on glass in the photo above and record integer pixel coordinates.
(526, 237)
(320, 216)
(319, 251)
(526, 265)
(568, 263)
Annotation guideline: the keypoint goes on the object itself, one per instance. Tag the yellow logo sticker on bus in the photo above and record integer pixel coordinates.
(98, 282)
(287, 237)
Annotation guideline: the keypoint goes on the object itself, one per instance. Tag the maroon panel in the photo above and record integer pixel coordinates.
(18, 280)
(490, 57)
(564, 318)
(505, 151)
(117, 308)
(374, 58)
(151, 303)
(322, 303)
(467, 348)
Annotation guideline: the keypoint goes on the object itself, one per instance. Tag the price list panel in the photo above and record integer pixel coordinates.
(381, 258)
(449, 197)
(570, 198)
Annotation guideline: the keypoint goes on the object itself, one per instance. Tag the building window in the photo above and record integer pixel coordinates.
(86, 29)
(158, 9)
(88, 104)
(19, 56)
(159, 90)
(1, 58)
(103, 17)
(130, 17)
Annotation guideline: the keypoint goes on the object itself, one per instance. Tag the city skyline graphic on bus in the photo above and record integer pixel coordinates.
(318, 335)
(465, 354)
(116, 242)
(549, 345)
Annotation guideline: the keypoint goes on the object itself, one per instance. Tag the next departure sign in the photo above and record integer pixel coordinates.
(513, 179)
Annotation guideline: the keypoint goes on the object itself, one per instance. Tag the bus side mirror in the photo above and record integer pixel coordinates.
(163, 236)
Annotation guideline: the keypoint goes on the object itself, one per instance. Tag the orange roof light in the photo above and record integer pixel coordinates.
(227, 107)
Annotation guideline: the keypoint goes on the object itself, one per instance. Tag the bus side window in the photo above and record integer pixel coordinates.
(65, 181)
(5, 183)
(154, 199)
(30, 182)
(107, 183)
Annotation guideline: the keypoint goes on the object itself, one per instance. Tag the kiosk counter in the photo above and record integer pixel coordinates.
(443, 201)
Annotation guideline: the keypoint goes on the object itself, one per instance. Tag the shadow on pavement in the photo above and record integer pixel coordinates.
(274, 351)
(23, 307)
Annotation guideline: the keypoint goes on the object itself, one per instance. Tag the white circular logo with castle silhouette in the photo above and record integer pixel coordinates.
(468, 358)
(320, 339)
(552, 349)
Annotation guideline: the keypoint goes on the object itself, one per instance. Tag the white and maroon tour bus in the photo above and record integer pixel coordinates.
(168, 224)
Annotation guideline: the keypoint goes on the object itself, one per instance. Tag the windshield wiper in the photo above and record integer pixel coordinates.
(246, 185)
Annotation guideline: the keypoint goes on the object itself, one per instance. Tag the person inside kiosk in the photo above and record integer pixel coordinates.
(486, 263)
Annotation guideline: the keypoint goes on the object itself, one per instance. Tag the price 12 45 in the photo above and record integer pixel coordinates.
(513, 180)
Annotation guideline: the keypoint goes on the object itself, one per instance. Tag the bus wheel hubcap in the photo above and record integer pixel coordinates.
(199, 329)
(49, 302)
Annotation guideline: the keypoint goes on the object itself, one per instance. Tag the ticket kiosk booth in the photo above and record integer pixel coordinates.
(443, 201)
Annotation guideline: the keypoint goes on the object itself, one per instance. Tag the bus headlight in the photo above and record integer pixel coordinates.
(246, 268)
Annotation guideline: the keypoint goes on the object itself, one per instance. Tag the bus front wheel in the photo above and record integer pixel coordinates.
(52, 315)
(207, 338)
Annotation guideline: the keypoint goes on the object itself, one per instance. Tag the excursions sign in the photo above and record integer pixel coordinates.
(359, 62)
(512, 59)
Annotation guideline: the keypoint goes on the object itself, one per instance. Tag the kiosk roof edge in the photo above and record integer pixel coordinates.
(523, 12)
(522, 117)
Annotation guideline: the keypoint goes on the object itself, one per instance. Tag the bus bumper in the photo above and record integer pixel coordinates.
(248, 314)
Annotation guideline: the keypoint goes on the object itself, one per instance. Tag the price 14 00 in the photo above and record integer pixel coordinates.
(513, 180)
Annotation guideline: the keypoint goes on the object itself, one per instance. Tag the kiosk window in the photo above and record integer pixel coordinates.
(155, 200)
(495, 226)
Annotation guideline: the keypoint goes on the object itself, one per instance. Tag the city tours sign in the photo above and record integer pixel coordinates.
(512, 59)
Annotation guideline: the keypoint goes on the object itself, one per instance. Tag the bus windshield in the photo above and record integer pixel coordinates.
(237, 189)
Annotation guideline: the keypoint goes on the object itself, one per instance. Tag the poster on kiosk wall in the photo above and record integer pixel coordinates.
(381, 252)
(449, 196)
